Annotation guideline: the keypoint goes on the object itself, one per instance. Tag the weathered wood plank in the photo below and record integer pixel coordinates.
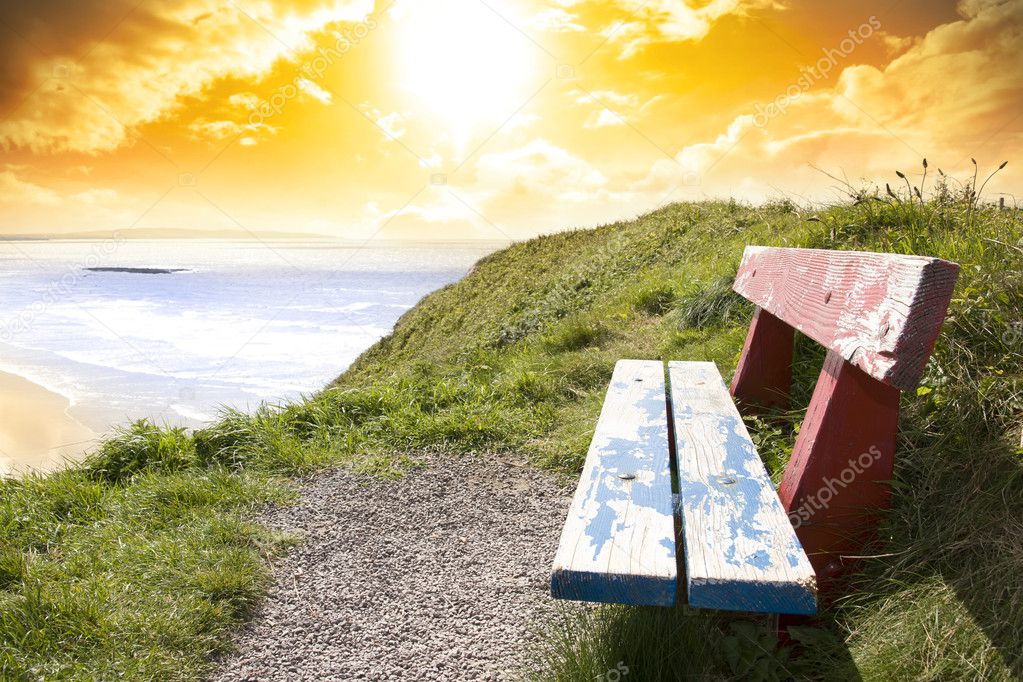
(741, 551)
(881, 312)
(618, 544)
(836, 483)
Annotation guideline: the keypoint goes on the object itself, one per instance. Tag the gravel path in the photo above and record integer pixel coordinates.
(436, 576)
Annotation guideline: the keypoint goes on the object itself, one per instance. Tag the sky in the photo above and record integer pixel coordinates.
(486, 119)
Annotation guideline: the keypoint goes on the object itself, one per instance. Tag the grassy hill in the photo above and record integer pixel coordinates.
(139, 561)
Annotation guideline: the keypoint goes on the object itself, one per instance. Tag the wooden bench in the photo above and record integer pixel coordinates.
(746, 547)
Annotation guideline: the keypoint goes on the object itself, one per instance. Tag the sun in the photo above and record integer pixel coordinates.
(461, 63)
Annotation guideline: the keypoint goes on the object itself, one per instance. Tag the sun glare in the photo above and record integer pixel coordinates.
(461, 63)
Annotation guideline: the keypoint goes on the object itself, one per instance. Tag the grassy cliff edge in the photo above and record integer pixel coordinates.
(138, 562)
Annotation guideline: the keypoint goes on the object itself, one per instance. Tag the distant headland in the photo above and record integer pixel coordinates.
(140, 271)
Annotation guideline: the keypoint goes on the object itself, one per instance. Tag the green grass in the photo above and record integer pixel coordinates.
(137, 563)
(138, 578)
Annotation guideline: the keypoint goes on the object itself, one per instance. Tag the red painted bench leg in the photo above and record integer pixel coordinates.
(835, 485)
(764, 374)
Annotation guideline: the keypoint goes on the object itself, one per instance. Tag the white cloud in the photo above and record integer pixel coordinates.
(214, 130)
(656, 21)
(245, 101)
(393, 124)
(97, 196)
(896, 45)
(606, 98)
(14, 190)
(539, 167)
(315, 91)
(556, 20)
(613, 108)
(603, 118)
(64, 210)
(522, 121)
(218, 132)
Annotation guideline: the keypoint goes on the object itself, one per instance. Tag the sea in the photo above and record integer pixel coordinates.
(177, 331)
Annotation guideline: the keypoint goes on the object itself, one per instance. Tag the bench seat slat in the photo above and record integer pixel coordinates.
(741, 551)
(618, 544)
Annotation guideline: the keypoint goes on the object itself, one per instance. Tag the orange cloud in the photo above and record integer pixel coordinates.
(953, 94)
(471, 106)
(646, 22)
(85, 86)
(14, 190)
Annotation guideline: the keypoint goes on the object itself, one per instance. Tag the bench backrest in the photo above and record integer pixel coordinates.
(881, 312)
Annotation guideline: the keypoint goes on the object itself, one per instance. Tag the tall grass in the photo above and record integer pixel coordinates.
(138, 562)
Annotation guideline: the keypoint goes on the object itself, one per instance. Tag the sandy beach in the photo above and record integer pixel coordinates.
(36, 431)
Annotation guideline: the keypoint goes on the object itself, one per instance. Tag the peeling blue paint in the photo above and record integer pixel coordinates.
(623, 455)
(761, 582)
(636, 447)
(743, 488)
